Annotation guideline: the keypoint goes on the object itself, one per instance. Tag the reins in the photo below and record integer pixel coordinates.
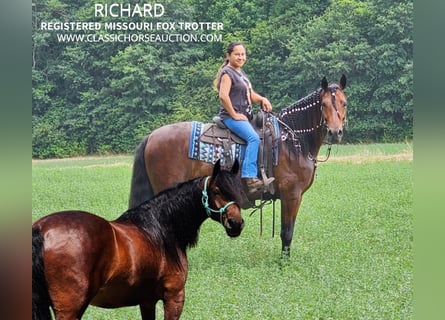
(205, 201)
(294, 135)
(328, 154)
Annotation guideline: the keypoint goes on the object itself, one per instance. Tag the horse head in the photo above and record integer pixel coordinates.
(334, 106)
(222, 192)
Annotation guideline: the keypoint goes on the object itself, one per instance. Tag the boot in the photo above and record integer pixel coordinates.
(254, 184)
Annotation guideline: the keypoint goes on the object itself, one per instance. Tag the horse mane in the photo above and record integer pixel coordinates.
(299, 117)
(303, 117)
(172, 218)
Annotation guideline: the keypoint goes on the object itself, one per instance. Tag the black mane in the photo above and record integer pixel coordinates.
(303, 117)
(172, 218)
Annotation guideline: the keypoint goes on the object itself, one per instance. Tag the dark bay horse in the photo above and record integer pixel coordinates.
(304, 126)
(138, 259)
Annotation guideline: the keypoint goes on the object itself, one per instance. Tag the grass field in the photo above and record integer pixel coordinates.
(351, 257)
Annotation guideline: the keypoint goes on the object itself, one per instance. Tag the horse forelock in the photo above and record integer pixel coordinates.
(230, 186)
(333, 88)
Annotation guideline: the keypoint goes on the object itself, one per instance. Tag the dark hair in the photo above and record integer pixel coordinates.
(229, 50)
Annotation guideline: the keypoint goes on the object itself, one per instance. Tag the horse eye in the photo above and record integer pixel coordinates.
(216, 192)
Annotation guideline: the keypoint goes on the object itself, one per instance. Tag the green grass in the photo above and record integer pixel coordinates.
(352, 252)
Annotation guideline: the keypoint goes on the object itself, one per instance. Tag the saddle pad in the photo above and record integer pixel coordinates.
(208, 151)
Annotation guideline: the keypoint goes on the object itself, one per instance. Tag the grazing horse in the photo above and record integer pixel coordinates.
(304, 126)
(137, 259)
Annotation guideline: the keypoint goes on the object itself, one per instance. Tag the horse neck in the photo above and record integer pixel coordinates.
(172, 218)
(304, 119)
(183, 213)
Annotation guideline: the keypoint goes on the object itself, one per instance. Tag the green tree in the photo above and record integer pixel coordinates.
(103, 97)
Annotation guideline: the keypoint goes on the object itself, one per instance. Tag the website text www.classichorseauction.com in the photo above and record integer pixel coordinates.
(147, 30)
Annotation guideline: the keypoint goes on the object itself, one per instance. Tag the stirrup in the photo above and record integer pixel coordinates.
(268, 185)
(254, 184)
(268, 181)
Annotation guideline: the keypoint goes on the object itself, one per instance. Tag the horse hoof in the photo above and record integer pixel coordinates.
(285, 253)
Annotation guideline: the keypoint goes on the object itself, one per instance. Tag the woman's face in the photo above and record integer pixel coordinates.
(238, 57)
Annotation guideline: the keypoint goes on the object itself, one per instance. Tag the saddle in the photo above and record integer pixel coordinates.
(219, 135)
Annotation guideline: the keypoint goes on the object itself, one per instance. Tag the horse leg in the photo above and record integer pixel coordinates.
(68, 316)
(148, 311)
(66, 306)
(289, 210)
(68, 287)
(173, 308)
(173, 304)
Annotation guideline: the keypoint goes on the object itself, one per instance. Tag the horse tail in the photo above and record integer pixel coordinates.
(40, 297)
(141, 189)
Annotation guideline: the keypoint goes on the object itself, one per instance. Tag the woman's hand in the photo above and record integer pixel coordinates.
(266, 105)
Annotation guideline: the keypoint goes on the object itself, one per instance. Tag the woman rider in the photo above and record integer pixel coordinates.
(236, 96)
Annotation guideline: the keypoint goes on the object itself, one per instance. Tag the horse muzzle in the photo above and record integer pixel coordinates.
(233, 228)
(335, 135)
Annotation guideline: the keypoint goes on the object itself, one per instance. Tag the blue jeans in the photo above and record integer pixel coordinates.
(244, 130)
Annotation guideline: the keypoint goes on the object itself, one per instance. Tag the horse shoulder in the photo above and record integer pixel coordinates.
(294, 176)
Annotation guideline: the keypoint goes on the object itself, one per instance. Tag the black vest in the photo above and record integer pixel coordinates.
(239, 91)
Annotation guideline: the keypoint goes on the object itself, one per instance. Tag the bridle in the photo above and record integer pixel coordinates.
(323, 122)
(334, 104)
(205, 202)
(312, 101)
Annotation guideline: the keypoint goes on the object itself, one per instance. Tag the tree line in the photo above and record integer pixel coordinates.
(103, 97)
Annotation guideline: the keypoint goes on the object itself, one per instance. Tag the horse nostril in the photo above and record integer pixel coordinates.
(235, 225)
(335, 133)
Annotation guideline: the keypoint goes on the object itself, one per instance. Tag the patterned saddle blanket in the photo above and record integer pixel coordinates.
(209, 142)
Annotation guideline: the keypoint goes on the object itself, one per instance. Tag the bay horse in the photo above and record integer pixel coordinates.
(303, 129)
(138, 259)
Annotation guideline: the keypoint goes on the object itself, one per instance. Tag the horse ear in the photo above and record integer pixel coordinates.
(216, 168)
(324, 83)
(235, 167)
(343, 82)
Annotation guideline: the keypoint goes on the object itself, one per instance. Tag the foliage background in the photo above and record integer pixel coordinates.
(96, 98)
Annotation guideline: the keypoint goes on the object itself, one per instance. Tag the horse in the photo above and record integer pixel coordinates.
(138, 259)
(303, 127)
